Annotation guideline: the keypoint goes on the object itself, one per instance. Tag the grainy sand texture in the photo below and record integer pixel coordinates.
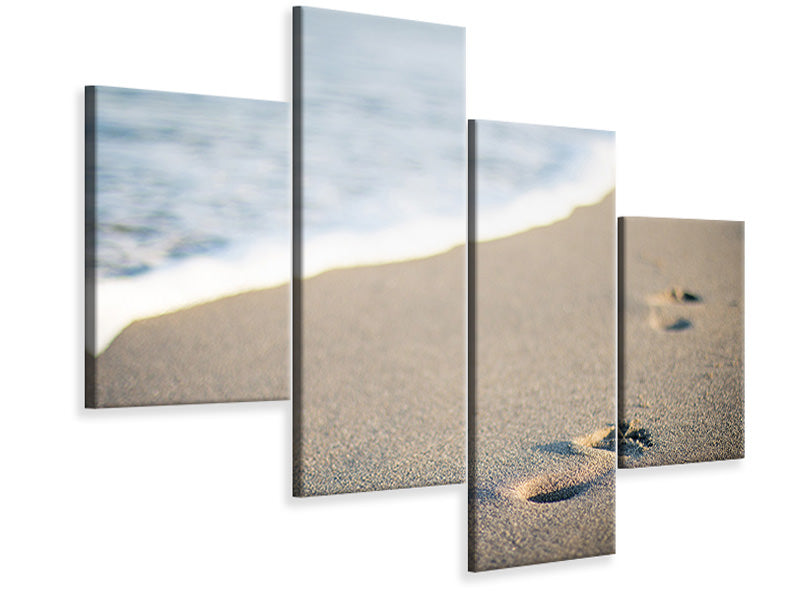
(542, 434)
(379, 397)
(232, 349)
(681, 341)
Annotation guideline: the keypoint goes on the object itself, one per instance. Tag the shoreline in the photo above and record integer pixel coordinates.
(202, 301)
(227, 350)
(556, 216)
(128, 286)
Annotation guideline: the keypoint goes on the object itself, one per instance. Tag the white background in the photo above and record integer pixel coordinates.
(194, 502)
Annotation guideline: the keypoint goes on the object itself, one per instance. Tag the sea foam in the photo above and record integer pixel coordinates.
(122, 300)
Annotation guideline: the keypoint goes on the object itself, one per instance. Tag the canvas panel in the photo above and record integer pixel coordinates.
(379, 253)
(542, 337)
(681, 341)
(187, 248)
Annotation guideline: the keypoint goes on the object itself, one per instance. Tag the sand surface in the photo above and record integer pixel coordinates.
(682, 340)
(544, 378)
(380, 399)
(232, 349)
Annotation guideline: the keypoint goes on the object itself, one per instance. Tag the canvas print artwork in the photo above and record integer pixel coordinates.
(187, 248)
(681, 341)
(379, 253)
(542, 344)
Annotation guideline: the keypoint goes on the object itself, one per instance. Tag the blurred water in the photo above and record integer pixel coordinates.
(384, 139)
(533, 175)
(181, 175)
(192, 201)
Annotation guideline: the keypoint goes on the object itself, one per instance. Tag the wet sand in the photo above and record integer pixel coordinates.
(681, 341)
(542, 478)
(232, 349)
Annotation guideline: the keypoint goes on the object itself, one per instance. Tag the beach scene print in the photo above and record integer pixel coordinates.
(681, 334)
(188, 253)
(541, 384)
(379, 253)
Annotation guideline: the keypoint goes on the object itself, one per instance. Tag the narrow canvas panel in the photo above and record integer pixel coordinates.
(379, 253)
(187, 248)
(542, 344)
(681, 336)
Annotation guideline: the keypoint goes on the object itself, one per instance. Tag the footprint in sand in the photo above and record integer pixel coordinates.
(662, 315)
(662, 322)
(596, 452)
(633, 438)
(673, 295)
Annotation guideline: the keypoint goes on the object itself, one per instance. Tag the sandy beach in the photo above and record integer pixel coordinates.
(541, 436)
(681, 340)
(228, 350)
(380, 403)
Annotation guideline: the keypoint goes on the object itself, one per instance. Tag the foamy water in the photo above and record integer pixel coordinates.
(527, 176)
(384, 139)
(534, 175)
(122, 300)
(192, 202)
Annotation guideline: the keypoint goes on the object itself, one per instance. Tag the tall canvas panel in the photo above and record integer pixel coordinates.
(187, 248)
(379, 253)
(542, 344)
(681, 341)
